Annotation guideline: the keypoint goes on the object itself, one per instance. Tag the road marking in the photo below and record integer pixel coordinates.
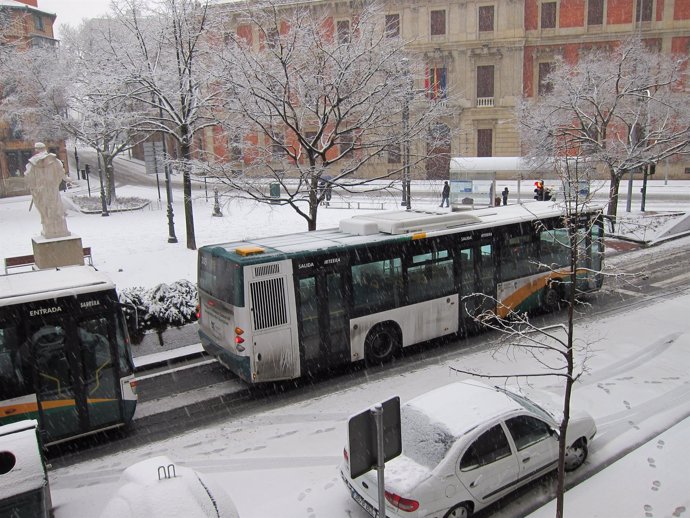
(672, 280)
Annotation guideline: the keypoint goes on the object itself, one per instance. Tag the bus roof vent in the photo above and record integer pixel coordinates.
(406, 222)
(267, 269)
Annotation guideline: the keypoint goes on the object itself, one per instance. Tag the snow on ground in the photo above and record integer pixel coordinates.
(283, 462)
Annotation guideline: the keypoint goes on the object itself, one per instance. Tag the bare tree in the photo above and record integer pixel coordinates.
(570, 261)
(622, 108)
(165, 58)
(72, 91)
(312, 103)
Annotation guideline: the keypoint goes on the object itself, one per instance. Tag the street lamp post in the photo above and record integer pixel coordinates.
(406, 201)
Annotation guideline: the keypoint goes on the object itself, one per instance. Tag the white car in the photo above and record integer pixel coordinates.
(467, 444)
(158, 488)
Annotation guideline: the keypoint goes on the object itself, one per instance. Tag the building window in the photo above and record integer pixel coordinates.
(435, 83)
(484, 142)
(438, 23)
(272, 38)
(38, 22)
(392, 25)
(235, 144)
(595, 12)
(343, 30)
(394, 154)
(347, 142)
(545, 84)
(486, 18)
(644, 10)
(548, 15)
(278, 145)
(485, 85)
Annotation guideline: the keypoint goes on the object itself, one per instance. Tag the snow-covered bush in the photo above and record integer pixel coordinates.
(157, 308)
(173, 304)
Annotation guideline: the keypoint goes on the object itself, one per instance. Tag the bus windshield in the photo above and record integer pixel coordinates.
(220, 278)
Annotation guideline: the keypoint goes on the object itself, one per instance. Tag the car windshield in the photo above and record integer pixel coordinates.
(424, 442)
(528, 404)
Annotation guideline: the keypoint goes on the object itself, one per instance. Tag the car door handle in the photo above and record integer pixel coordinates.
(526, 460)
(475, 483)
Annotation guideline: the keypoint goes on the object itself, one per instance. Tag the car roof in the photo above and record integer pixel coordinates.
(462, 406)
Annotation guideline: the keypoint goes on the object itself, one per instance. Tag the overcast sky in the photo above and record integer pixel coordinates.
(71, 12)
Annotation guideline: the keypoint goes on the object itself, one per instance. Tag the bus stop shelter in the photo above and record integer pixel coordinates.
(473, 179)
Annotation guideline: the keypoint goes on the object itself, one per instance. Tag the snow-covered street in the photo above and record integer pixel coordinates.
(283, 461)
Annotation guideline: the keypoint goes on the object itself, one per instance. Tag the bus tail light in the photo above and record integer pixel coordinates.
(404, 504)
(238, 339)
(133, 386)
(346, 456)
(198, 311)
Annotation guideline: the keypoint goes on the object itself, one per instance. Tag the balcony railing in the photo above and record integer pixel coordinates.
(485, 102)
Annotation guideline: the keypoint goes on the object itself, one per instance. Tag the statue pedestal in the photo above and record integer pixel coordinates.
(58, 251)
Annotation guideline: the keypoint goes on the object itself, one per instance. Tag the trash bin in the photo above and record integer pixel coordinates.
(274, 189)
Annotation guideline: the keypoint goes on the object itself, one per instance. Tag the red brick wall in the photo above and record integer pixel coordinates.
(681, 10)
(572, 13)
(619, 11)
(531, 15)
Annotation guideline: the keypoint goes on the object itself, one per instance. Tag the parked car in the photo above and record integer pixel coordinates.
(467, 444)
(157, 488)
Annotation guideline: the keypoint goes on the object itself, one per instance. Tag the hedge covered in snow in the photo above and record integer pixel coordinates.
(159, 307)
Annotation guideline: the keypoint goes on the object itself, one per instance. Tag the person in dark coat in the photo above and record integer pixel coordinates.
(445, 194)
(505, 196)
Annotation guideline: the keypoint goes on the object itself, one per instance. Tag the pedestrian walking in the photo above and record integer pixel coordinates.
(504, 194)
(445, 194)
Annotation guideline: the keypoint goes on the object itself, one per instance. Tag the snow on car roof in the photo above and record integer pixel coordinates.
(158, 488)
(461, 406)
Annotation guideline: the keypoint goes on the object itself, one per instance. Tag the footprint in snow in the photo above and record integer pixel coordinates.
(656, 485)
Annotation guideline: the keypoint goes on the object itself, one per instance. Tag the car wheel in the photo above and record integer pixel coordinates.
(463, 510)
(382, 343)
(575, 455)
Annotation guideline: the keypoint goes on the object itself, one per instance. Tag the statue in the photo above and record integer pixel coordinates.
(44, 173)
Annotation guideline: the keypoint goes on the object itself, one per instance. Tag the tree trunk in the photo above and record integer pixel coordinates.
(109, 179)
(614, 187)
(187, 189)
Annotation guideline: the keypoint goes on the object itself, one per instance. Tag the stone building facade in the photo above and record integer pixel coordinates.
(489, 53)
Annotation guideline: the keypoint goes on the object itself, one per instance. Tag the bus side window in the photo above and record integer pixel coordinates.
(377, 284)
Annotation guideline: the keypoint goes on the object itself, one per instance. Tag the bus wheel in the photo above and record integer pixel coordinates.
(552, 299)
(382, 343)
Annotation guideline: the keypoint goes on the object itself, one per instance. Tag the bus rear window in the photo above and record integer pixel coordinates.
(220, 279)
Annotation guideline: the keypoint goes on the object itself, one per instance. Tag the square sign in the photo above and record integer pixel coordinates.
(362, 437)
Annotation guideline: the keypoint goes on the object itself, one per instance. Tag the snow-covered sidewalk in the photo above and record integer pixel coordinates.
(652, 481)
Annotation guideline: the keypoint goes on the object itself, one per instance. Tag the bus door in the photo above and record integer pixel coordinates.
(77, 374)
(323, 319)
(477, 283)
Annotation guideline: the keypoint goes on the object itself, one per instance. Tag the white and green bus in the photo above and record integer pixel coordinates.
(279, 307)
(65, 356)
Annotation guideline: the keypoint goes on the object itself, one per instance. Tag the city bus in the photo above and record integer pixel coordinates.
(280, 307)
(65, 359)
